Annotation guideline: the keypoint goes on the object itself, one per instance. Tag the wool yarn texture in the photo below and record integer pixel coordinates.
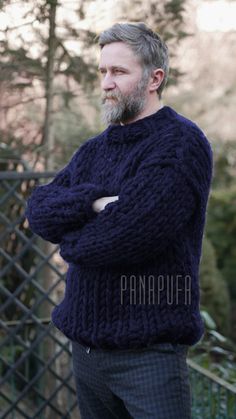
(133, 268)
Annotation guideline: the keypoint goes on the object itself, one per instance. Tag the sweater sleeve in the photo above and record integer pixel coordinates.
(55, 208)
(152, 209)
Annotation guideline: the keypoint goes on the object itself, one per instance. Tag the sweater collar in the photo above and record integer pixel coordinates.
(137, 130)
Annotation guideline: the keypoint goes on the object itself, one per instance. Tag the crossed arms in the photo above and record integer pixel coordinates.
(97, 229)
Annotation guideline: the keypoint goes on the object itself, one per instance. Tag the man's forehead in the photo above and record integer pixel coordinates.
(117, 54)
(113, 67)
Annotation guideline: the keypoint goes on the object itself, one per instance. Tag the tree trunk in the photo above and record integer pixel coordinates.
(48, 136)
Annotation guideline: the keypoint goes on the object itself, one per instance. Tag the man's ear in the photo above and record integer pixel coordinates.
(157, 77)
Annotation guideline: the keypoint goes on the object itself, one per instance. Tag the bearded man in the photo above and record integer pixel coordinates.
(128, 212)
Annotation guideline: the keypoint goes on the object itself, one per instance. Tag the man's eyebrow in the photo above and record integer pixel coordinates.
(114, 67)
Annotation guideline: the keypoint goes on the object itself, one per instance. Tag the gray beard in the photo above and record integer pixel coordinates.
(125, 107)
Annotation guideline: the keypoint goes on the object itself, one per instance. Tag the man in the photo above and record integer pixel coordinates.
(128, 212)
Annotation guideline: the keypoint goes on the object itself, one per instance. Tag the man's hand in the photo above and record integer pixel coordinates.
(100, 203)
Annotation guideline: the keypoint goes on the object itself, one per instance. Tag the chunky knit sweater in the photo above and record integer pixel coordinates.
(133, 268)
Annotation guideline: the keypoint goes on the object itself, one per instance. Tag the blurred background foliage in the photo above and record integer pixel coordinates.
(61, 67)
(49, 105)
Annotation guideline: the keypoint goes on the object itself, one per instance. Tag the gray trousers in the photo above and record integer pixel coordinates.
(142, 383)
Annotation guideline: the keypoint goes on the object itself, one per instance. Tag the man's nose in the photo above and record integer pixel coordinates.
(108, 82)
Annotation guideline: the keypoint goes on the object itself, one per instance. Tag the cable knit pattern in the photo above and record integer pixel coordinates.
(57, 207)
(161, 168)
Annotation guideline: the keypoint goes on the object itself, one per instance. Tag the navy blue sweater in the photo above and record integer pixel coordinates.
(133, 274)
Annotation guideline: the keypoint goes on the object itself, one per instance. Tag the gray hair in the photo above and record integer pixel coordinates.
(146, 44)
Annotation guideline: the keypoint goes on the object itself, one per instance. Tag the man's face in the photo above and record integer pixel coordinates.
(123, 84)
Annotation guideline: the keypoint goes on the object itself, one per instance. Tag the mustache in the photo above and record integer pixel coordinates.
(111, 95)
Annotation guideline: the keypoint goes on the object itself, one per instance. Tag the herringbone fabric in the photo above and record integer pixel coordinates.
(148, 383)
